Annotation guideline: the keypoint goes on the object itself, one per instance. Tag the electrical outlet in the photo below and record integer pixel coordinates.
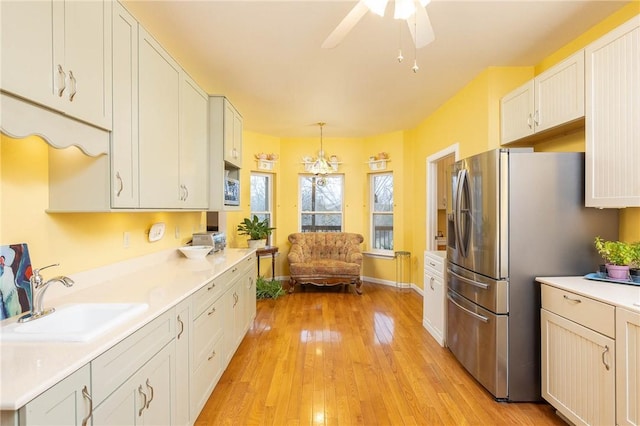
(126, 239)
(177, 232)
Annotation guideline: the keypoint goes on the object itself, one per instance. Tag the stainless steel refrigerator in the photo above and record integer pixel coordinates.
(514, 215)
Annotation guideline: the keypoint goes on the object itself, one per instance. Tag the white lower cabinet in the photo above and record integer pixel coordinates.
(434, 301)
(578, 357)
(66, 403)
(162, 374)
(627, 367)
(183, 373)
(147, 398)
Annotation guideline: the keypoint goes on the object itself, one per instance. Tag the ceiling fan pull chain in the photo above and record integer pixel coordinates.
(400, 57)
(415, 49)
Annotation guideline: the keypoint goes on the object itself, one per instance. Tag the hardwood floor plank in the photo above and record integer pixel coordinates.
(327, 357)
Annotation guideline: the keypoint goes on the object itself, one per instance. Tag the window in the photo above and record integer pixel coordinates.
(321, 201)
(381, 203)
(261, 196)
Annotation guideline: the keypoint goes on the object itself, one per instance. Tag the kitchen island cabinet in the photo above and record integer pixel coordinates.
(590, 336)
(627, 367)
(155, 368)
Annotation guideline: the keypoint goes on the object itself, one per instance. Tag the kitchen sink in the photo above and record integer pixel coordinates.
(79, 322)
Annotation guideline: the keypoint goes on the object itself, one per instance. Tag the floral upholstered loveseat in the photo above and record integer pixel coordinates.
(325, 258)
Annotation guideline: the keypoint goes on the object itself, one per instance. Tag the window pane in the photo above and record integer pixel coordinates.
(317, 198)
(383, 231)
(321, 222)
(259, 193)
(383, 193)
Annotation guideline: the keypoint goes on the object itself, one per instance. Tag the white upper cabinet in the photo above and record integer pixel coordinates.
(613, 118)
(58, 54)
(553, 98)
(124, 135)
(232, 135)
(193, 144)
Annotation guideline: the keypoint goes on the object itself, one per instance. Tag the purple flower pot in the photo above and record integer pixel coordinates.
(617, 272)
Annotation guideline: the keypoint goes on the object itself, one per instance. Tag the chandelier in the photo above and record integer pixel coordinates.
(321, 166)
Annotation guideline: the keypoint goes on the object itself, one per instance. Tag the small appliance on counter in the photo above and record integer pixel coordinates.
(210, 238)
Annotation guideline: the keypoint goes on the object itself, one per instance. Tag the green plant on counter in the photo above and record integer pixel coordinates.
(266, 289)
(255, 228)
(618, 252)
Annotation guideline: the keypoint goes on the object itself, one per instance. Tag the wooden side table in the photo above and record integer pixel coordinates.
(265, 251)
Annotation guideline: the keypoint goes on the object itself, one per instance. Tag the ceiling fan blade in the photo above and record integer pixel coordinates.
(420, 28)
(347, 24)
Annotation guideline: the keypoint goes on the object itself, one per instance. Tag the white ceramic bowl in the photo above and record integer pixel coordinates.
(195, 252)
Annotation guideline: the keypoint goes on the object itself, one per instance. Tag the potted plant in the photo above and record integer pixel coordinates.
(618, 255)
(268, 289)
(257, 230)
(634, 271)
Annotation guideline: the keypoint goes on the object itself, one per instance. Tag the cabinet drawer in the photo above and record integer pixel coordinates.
(207, 295)
(205, 377)
(248, 263)
(433, 265)
(206, 329)
(114, 367)
(588, 312)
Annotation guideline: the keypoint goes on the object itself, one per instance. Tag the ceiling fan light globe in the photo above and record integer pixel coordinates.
(376, 6)
(404, 9)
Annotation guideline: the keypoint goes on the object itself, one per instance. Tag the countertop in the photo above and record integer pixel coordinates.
(161, 280)
(621, 295)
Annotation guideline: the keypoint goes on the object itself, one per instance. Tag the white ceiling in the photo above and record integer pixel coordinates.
(265, 56)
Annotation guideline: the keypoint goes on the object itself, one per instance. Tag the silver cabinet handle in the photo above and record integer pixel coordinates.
(151, 396)
(120, 184)
(62, 78)
(606, 349)
(529, 122)
(212, 311)
(181, 327)
(465, 310)
(536, 118)
(570, 299)
(144, 403)
(211, 356)
(251, 282)
(211, 287)
(431, 283)
(73, 82)
(186, 192)
(85, 394)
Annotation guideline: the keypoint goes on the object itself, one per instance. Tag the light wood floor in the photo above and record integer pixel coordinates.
(330, 357)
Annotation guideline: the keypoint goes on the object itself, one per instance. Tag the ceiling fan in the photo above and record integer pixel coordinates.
(413, 11)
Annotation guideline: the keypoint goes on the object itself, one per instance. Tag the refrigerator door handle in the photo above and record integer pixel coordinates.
(467, 311)
(468, 281)
(463, 240)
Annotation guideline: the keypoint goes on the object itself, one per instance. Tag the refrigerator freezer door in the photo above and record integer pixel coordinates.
(489, 293)
(478, 339)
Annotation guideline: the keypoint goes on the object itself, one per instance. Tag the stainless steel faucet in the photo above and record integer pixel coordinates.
(38, 287)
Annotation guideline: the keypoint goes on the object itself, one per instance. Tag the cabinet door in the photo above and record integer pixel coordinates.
(124, 136)
(627, 367)
(578, 371)
(183, 347)
(233, 311)
(159, 100)
(66, 403)
(612, 129)
(516, 113)
(87, 60)
(249, 298)
(232, 123)
(559, 93)
(193, 145)
(27, 54)
(433, 306)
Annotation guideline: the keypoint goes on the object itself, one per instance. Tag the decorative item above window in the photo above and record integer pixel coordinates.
(379, 161)
(266, 161)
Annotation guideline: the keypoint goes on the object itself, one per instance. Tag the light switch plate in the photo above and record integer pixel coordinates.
(156, 232)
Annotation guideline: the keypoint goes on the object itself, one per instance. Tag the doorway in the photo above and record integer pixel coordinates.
(438, 195)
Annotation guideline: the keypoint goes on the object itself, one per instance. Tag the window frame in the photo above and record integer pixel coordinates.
(373, 213)
(269, 198)
(302, 212)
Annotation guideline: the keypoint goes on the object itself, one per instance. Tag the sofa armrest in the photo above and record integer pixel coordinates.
(295, 254)
(354, 256)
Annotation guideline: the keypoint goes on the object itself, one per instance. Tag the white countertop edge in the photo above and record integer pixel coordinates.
(162, 280)
(625, 296)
